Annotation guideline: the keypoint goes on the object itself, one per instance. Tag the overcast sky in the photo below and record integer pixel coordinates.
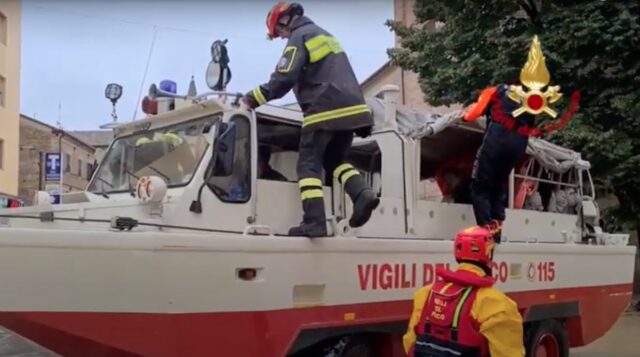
(72, 48)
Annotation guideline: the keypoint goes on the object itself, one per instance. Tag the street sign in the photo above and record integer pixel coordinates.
(53, 166)
(55, 199)
(54, 192)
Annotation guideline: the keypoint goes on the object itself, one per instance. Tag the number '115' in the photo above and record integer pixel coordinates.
(546, 271)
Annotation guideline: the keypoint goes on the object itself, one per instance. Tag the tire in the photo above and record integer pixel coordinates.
(345, 346)
(359, 347)
(546, 338)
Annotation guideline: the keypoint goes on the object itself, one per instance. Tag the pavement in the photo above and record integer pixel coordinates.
(623, 340)
(12, 345)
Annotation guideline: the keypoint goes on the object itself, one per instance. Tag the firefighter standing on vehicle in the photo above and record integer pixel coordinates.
(314, 64)
(511, 112)
(462, 314)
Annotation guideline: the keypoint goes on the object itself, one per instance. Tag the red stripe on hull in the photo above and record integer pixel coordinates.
(269, 333)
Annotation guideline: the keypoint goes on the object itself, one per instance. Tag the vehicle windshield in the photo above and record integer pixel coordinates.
(172, 153)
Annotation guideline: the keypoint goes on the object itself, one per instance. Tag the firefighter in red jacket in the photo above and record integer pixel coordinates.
(511, 113)
(315, 66)
(462, 314)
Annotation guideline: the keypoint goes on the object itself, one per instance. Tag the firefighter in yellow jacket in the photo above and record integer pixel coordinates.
(462, 314)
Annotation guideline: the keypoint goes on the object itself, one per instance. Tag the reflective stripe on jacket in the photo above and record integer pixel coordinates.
(315, 66)
(496, 315)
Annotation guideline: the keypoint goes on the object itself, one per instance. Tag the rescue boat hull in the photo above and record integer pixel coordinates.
(160, 294)
(268, 333)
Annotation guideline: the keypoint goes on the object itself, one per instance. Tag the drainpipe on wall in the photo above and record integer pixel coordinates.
(402, 85)
(40, 175)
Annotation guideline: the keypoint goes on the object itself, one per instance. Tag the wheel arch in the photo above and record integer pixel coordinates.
(387, 335)
(566, 313)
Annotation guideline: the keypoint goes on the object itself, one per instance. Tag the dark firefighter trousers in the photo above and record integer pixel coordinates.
(499, 153)
(323, 149)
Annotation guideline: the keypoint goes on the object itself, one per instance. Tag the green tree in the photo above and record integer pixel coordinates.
(592, 46)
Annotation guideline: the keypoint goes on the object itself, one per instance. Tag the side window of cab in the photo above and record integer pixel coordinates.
(229, 173)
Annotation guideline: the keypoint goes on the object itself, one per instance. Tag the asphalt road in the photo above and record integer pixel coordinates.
(622, 341)
(12, 345)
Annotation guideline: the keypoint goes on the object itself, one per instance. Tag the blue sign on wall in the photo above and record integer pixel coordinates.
(53, 166)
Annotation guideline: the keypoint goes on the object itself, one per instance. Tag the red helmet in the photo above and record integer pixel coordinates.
(474, 244)
(276, 12)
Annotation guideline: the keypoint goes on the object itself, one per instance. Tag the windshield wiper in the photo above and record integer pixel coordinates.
(105, 181)
(167, 178)
(131, 189)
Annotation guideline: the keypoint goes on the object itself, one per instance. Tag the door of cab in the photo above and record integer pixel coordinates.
(228, 194)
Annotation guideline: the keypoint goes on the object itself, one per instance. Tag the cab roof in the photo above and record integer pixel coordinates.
(200, 109)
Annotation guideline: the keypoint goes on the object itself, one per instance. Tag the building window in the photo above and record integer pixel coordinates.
(79, 167)
(3, 85)
(89, 170)
(1, 154)
(67, 163)
(3, 29)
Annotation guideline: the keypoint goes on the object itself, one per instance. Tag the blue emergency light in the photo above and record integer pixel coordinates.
(168, 85)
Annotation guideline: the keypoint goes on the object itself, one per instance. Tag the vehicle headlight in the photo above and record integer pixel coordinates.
(151, 189)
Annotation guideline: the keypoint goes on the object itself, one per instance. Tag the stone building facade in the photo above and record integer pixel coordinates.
(99, 139)
(38, 138)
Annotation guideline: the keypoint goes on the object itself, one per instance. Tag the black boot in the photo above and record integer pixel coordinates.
(314, 222)
(363, 198)
(311, 230)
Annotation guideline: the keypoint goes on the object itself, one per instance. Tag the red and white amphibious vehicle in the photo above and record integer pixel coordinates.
(176, 247)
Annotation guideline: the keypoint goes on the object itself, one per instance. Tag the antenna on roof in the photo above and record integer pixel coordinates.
(59, 122)
(146, 69)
